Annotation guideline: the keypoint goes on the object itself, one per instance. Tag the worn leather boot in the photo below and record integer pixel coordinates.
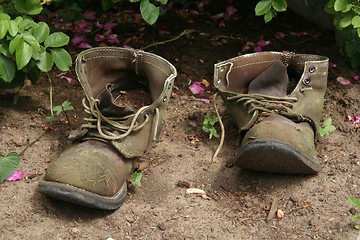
(276, 100)
(127, 92)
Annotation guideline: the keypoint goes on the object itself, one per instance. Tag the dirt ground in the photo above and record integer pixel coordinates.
(236, 206)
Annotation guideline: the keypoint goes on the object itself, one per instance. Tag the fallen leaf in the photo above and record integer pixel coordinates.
(280, 214)
(195, 191)
(206, 197)
(205, 83)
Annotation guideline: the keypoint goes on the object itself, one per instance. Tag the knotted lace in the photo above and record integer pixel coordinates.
(265, 105)
(112, 128)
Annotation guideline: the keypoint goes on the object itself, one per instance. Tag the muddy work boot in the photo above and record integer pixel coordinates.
(276, 100)
(127, 92)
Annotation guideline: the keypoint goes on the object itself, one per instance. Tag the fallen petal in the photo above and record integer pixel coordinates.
(108, 26)
(343, 81)
(205, 100)
(332, 64)
(84, 45)
(89, 15)
(356, 78)
(15, 176)
(196, 88)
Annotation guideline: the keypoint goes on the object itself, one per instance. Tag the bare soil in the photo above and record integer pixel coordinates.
(237, 202)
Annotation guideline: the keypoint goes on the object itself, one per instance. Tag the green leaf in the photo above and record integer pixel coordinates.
(163, 2)
(4, 16)
(345, 22)
(14, 43)
(262, 7)
(327, 121)
(356, 21)
(58, 110)
(339, 5)
(8, 165)
(279, 5)
(20, 6)
(136, 179)
(62, 59)
(13, 28)
(57, 39)
(33, 7)
(67, 106)
(4, 26)
(23, 54)
(354, 201)
(149, 11)
(269, 15)
(30, 39)
(329, 7)
(45, 62)
(41, 32)
(7, 68)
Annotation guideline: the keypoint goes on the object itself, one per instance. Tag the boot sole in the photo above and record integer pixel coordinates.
(274, 157)
(82, 197)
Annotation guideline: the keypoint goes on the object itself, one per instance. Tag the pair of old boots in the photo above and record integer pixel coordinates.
(275, 98)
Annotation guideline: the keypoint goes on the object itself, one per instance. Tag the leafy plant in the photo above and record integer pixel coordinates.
(28, 48)
(136, 178)
(356, 203)
(269, 8)
(149, 11)
(8, 164)
(326, 127)
(59, 109)
(208, 125)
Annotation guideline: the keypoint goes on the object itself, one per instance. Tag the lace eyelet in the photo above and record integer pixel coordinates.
(312, 69)
(307, 81)
(165, 99)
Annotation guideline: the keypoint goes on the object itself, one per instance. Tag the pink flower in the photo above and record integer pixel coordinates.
(356, 78)
(17, 175)
(196, 88)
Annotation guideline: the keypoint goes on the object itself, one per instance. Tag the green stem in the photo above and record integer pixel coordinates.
(51, 94)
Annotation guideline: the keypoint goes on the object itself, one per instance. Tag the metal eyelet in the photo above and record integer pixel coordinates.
(221, 69)
(219, 80)
(312, 69)
(306, 81)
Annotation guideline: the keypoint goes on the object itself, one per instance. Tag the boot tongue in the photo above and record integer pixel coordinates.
(271, 82)
(108, 107)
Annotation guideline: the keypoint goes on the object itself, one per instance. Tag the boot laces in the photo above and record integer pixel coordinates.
(112, 128)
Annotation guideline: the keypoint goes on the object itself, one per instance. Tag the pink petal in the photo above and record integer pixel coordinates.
(17, 175)
(343, 81)
(84, 45)
(176, 88)
(112, 38)
(332, 64)
(68, 79)
(78, 40)
(205, 100)
(196, 88)
(217, 16)
(108, 26)
(280, 35)
(127, 46)
(89, 15)
(356, 78)
(100, 38)
(231, 10)
(262, 43)
(258, 49)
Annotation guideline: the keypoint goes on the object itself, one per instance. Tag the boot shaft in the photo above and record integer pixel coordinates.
(304, 87)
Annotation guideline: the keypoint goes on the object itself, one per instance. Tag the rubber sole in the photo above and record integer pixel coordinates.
(274, 157)
(82, 197)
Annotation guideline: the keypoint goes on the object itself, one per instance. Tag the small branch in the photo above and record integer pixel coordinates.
(185, 32)
(30, 144)
(51, 94)
(222, 129)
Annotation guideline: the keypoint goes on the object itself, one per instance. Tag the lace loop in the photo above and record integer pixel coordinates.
(111, 128)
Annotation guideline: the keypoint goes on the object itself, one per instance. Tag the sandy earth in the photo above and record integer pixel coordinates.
(236, 202)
